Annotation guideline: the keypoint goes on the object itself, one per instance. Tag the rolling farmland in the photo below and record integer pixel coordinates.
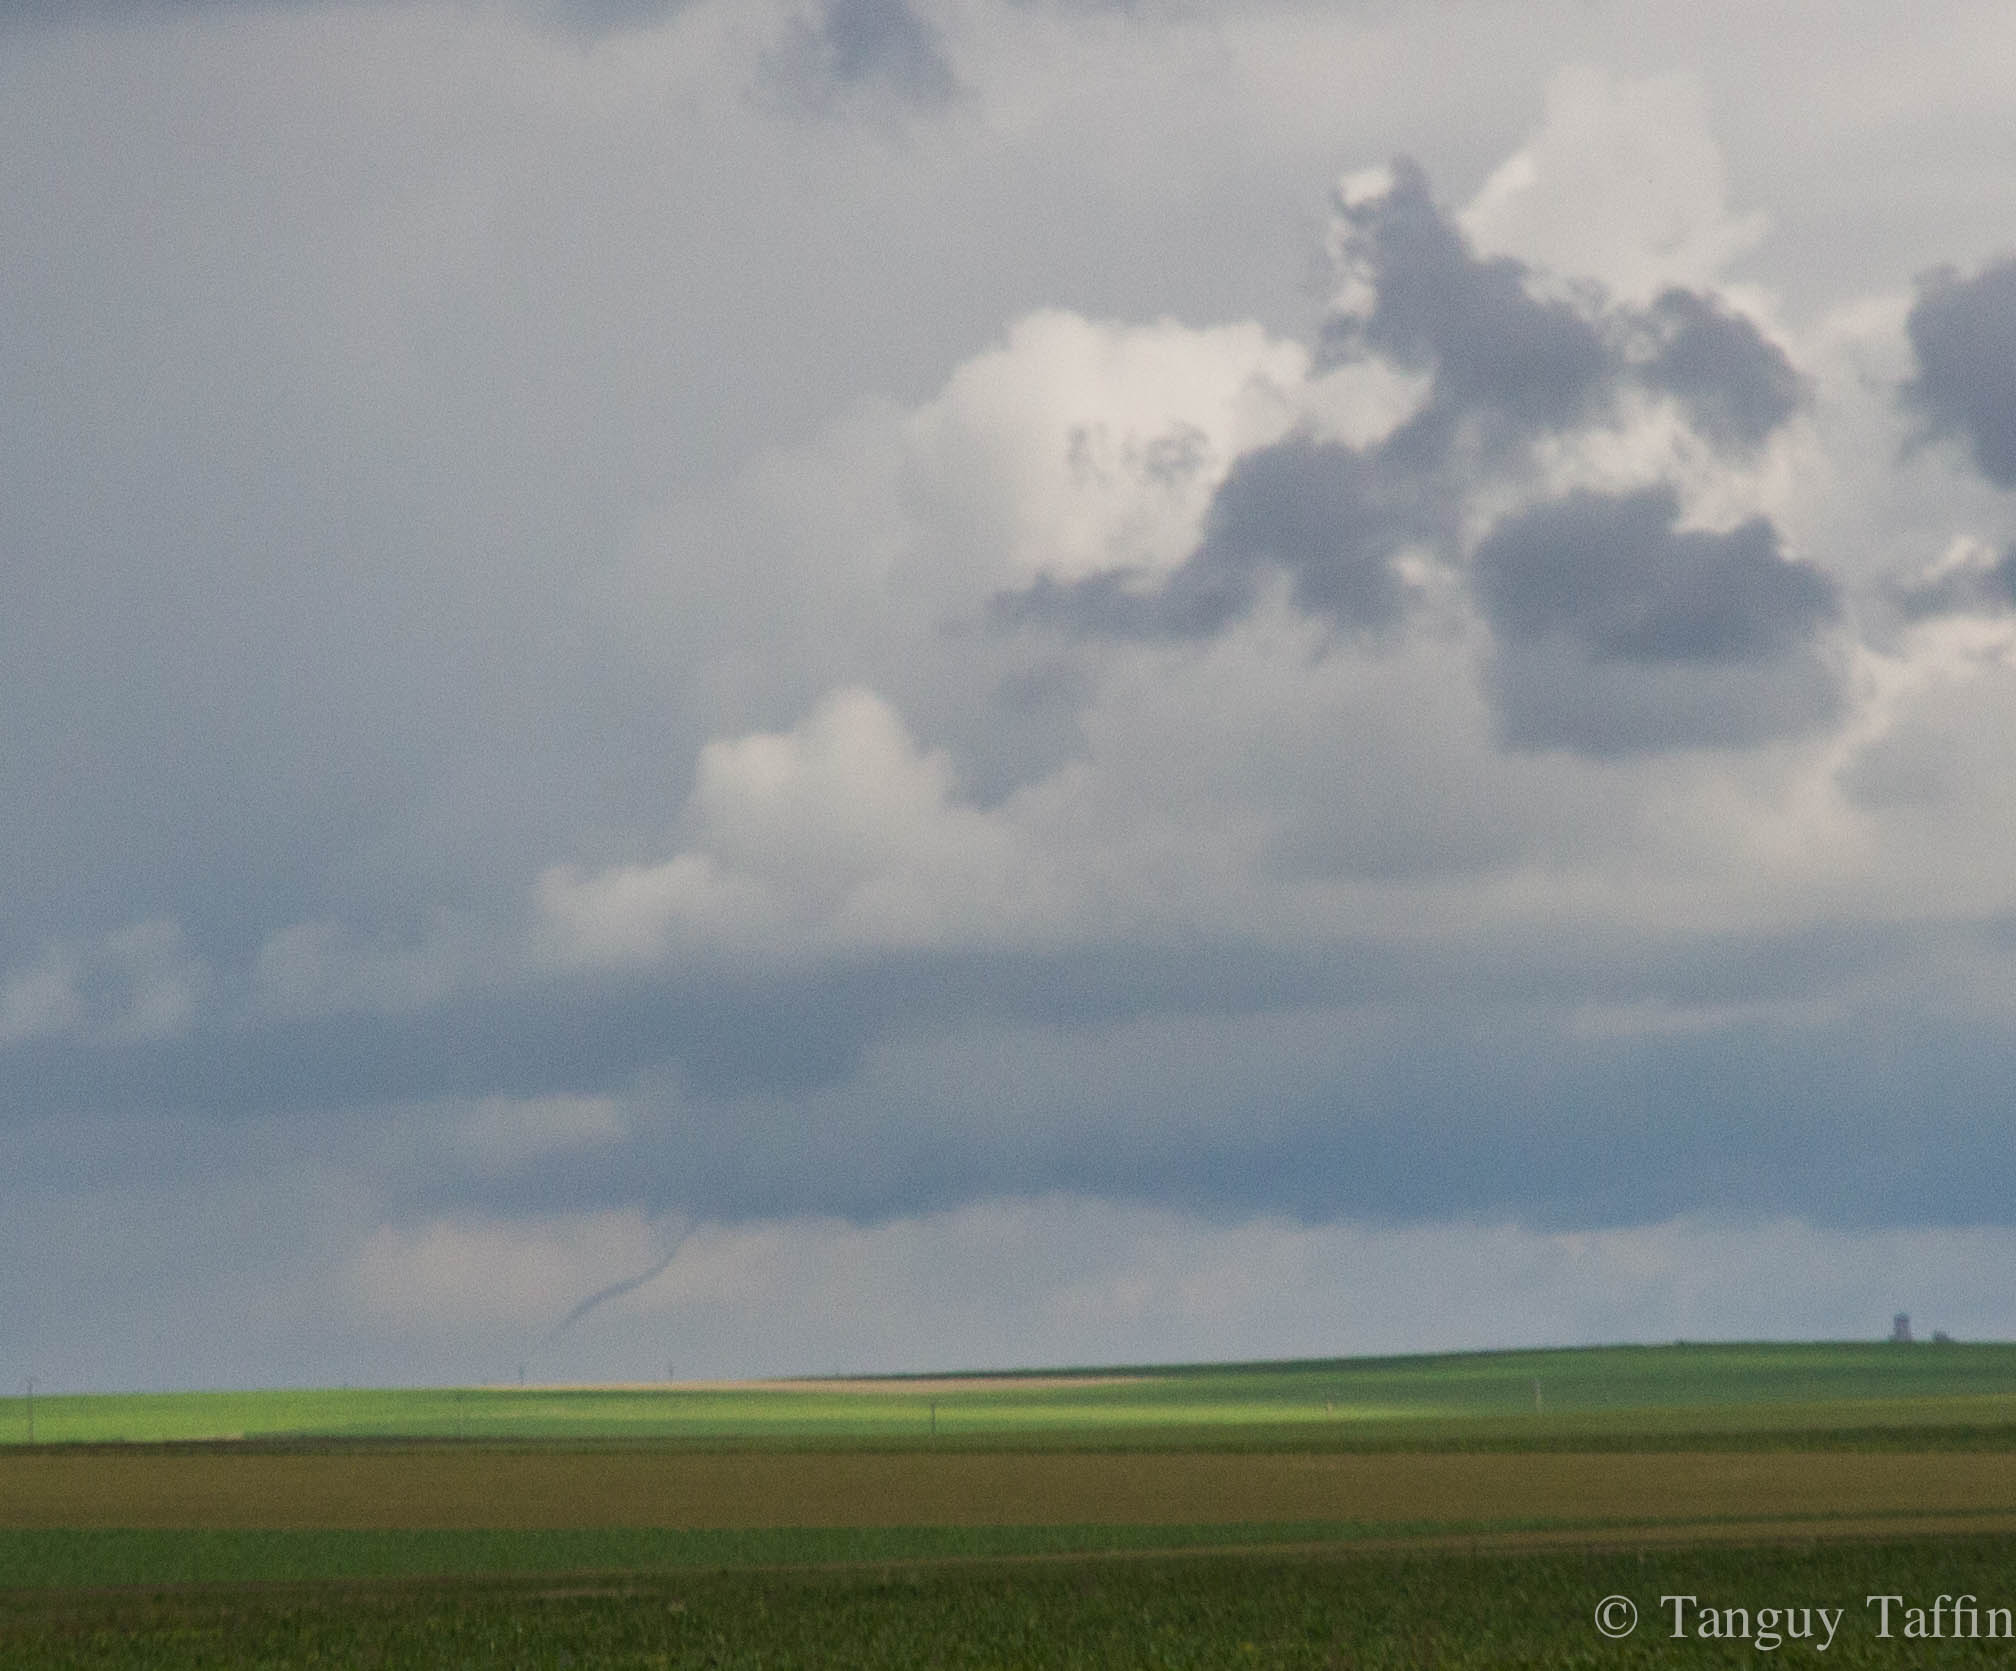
(1632, 1395)
(1323, 1485)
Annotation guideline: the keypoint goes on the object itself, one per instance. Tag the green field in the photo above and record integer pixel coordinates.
(1368, 1612)
(1628, 1395)
(1458, 1510)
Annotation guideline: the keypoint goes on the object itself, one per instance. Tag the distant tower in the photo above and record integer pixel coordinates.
(1900, 1328)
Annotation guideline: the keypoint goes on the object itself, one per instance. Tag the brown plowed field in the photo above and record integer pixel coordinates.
(521, 1489)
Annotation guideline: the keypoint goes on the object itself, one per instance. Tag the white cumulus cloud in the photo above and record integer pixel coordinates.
(1623, 182)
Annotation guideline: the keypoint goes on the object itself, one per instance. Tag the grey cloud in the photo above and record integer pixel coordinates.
(1462, 1099)
(1118, 603)
(1547, 695)
(1493, 347)
(1987, 588)
(595, 18)
(1532, 365)
(589, 19)
(1613, 575)
(861, 45)
(1618, 633)
(576, 1038)
(354, 371)
(726, 1040)
(1327, 515)
(1736, 385)
(1963, 332)
(1467, 1103)
(48, 13)
(1506, 367)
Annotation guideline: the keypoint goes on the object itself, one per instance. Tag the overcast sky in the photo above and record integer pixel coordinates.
(931, 683)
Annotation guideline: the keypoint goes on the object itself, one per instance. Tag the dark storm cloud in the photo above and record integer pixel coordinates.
(1963, 332)
(861, 45)
(1617, 633)
(1505, 368)
(537, 1041)
(1473, 1097)
(726, 1040)
(1736, 385)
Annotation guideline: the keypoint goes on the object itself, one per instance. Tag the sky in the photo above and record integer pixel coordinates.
(750, 687)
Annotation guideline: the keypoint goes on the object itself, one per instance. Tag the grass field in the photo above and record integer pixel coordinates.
(1411, 1609)
(1635, 1393)
(1357, 1512)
